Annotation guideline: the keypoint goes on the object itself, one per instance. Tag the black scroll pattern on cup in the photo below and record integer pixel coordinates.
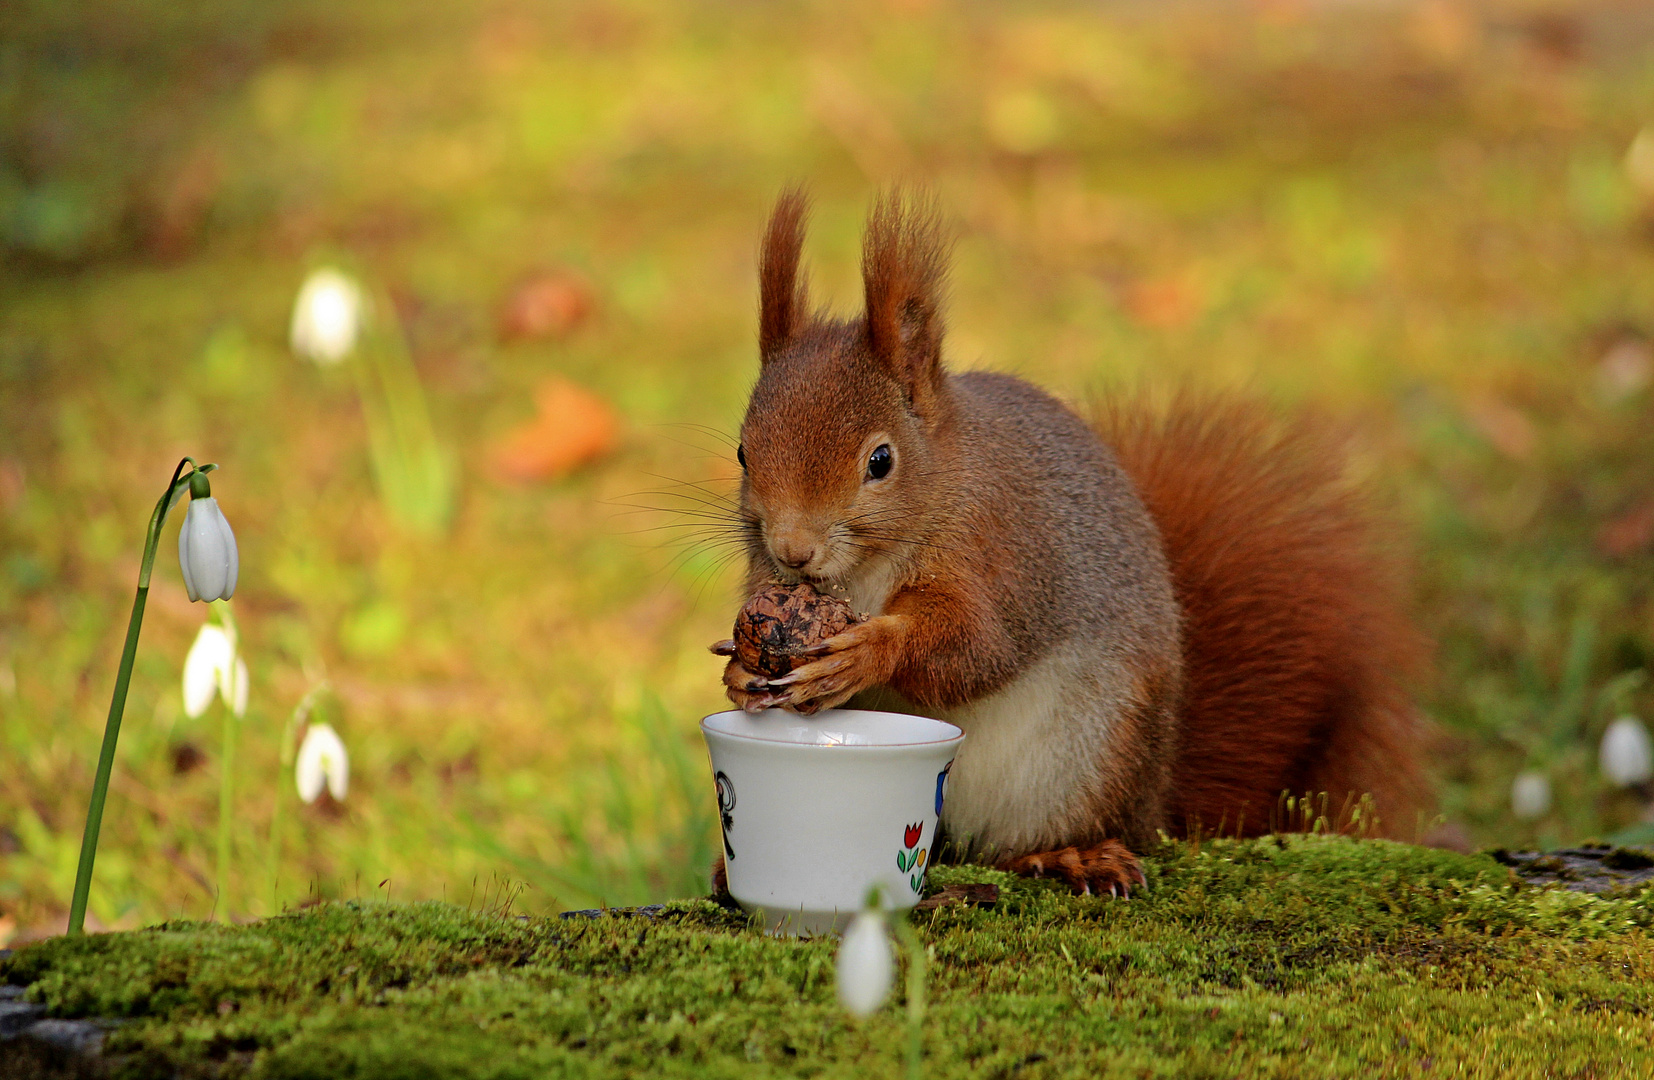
(726, 803)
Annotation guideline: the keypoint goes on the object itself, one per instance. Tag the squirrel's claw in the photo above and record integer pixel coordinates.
(1089, 871)
(864, 655)
(748, 691)
(848, 663)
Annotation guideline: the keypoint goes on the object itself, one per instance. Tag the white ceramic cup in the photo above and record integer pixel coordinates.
(815, 810)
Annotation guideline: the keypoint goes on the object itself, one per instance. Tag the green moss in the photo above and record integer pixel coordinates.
(1303, 956)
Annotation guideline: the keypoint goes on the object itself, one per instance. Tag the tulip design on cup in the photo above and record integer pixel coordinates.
(911, 859)
(207, 556)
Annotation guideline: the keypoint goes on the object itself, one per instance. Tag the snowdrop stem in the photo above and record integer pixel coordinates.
(289, 750)
(175, 489)
(411, 467)
(226, 799)
(917, 970)
(226, 766)
(117, 703)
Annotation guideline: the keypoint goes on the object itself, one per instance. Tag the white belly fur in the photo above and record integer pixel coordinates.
(1026, 775)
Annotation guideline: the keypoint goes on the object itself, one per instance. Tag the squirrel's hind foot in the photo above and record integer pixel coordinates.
(1108, 868)
(720, 881)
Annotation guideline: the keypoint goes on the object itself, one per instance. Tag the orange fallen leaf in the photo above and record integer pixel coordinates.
(572, 426)
(1505, 426)
(1628, 533)
(178, 207)
(1444, 30)
(546, 305)
(1164, 303)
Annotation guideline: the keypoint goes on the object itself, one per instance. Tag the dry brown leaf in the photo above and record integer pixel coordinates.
(1630, 532)
(971, 893)
(1506, 427)
(1164, 303)
(178, 206)
(572, 427)
(1444, 30)
(545, 306)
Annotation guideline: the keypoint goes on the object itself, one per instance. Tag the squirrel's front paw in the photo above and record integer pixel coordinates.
(748, 691)
(862, 656)
(1090, 871)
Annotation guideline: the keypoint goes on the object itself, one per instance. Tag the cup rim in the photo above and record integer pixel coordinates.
(839, 748)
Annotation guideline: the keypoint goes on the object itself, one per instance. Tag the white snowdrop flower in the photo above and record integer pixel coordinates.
(206, 551)
(866, 967)
(1626, 368)
(1626, 756)
(322, 759)
(1530, 794)
(209, 658)
(327, 317)
(235, 694)
(212, 667)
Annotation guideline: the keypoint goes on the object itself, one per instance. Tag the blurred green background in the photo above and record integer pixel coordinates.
(1431, 219)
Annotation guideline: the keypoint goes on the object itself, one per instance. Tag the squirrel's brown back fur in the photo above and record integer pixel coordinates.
(1297, 646)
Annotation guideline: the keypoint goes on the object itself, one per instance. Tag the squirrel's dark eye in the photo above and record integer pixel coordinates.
(879, 462)
(741, 455)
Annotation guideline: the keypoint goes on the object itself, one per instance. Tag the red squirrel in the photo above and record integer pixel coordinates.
(1161, 619)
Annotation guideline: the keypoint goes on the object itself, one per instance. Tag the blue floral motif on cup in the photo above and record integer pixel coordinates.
(941, 785)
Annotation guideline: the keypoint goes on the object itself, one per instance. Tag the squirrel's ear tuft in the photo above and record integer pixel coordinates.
(904, 266)
(782, 293)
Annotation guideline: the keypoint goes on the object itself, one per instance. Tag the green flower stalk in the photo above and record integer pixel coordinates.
(210, 567)
(335, 318)
(214, 668)
(298, 718)
(226, 799)
(866, 969)
(918, 968)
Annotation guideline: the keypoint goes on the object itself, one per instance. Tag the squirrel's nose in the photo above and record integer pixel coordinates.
(792, 550)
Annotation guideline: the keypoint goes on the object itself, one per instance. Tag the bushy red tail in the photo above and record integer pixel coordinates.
(1298, 648)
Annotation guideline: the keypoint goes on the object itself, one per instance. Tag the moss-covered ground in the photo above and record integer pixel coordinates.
(1291, 957)
(1419, 217)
